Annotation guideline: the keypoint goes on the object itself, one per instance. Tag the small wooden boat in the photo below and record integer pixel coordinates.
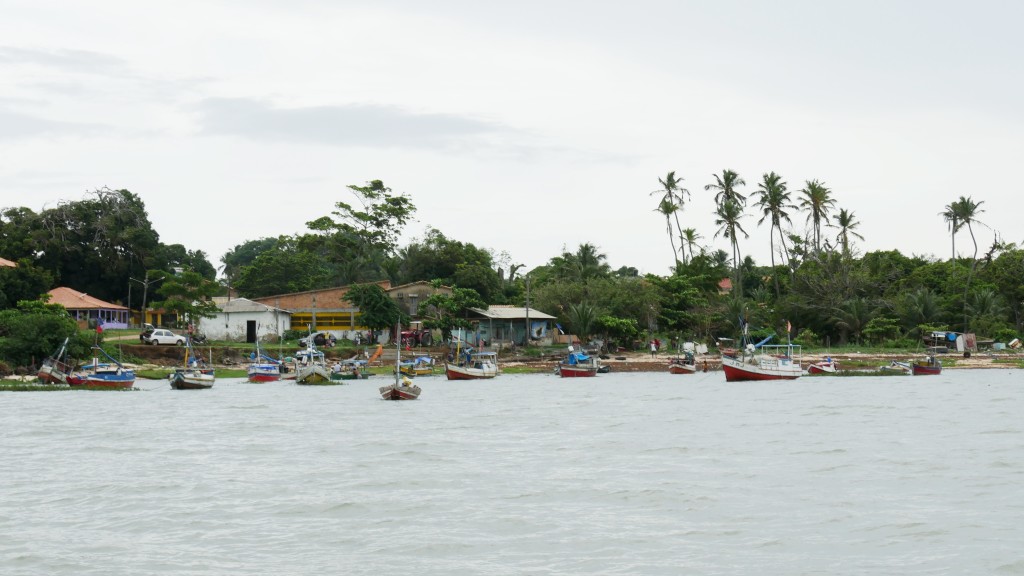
(472, 366)
(930, 366)
(894, 366)
(403, 388)
(826, 366)
(98, 374)
(195, 374)
(578, 365)
(262, 368)
(56, 368)
(682, 364)
(421, 366)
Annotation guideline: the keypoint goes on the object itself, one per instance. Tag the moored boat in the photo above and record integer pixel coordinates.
(195, 374)
(768, 362)
(421, 366)
(930, 366)
(472, 366)
(578, 365)
(98, 374)
(262, 368)
(685, 363)
(56, 368)
(403, 388)
(826, 366)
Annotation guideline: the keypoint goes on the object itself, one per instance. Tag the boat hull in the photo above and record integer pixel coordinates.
(682, 368)
(264, 373)
(125, 379)
(739, 371)
(919, 370)
(469, 373)
(570, 371)
(191, 380)
(312, 375)
(400, 392)
(52, 374)
(823, 368)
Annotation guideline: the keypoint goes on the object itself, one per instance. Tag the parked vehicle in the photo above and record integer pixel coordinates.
(147, 329)
(163, 336)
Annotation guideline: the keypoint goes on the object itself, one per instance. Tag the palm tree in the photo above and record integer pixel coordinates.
(726, 185)
(920, 307)
(949, 215)
(672, 201)
(773, 199)
(817, 200)
(667, 208)
(846, 222)
(729, 215)
(966, 210)
(689, 237)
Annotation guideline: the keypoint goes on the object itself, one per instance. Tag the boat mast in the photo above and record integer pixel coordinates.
(398, 351)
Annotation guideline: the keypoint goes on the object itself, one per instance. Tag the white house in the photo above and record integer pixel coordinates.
(241, 319)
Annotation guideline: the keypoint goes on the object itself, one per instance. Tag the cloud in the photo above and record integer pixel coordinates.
(17, 126)
(346, 125)
(73, 61)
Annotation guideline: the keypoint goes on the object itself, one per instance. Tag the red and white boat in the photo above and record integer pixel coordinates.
(930, 366)
(578, 365)
(685, 364)
(263, 368)
(472, 366)
(826, 366)
(769, 362)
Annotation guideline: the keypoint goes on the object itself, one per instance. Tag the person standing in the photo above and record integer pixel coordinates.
(654, 349)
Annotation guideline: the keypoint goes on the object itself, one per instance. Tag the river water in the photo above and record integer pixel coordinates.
(637, 473)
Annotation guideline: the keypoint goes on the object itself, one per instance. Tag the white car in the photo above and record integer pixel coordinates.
(162, 336)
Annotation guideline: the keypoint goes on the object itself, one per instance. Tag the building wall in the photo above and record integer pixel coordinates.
(233, 325)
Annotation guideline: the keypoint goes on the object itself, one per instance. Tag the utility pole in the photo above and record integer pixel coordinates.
(529, 332)
(145, 290)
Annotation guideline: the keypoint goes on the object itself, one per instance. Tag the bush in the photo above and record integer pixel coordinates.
(5, 370)
(1005, 335)
(295, 334)
(807, 337)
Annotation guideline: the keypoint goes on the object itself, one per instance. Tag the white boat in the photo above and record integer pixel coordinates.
(472, 366)
(196, 374)
(769, 362)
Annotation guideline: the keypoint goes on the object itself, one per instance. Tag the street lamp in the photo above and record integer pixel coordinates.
(145, 290)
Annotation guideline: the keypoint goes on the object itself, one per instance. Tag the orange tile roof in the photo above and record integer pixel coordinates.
(8, 263)
(75, 300)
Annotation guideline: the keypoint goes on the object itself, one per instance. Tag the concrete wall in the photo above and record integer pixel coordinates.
(232, 325)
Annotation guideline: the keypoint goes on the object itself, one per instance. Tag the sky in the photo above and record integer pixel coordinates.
(526, 128)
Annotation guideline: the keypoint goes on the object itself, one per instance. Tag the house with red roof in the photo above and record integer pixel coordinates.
(88, 310)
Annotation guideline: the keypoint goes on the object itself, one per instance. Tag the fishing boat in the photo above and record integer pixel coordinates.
(895, 366)
(472, 365)
(349, 373)
(263, 368)
(826, 366)
(56, 368)
(577, 364)
(762, 361)
(421, 366)
(98, 374)
(684, 363)
(311, 366)
(403, 388)
(194, 374)
(930, 366)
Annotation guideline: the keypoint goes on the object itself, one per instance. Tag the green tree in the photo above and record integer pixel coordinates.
(283, 269)
(773, 199)
(189, 295)
(377, 311)
(446, 312)
(729, 214)
(689, 237)
(583, 319)
(673, 199)
(817, 200)
(725, 187)
(34, 329)
(24, 282)
(363, 234)
(243, 255)
(967, 210)
(846, 223)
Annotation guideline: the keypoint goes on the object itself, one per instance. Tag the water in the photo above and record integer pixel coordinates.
(525, 474)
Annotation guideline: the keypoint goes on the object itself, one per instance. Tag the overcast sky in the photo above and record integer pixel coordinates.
(523, 127)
